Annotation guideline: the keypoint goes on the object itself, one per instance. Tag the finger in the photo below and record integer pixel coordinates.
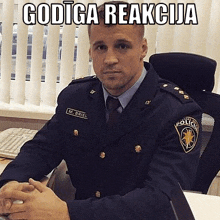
(1, 202)
(15, 208)
(15, 195)
(7, 203)
(5, 206)
(26, 187)
(17, 216)
(38, 185)
(10, 184)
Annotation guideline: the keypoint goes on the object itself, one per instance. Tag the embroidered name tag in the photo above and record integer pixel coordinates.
(76, 113)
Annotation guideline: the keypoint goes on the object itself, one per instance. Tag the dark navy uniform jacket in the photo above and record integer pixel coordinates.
(124, 173)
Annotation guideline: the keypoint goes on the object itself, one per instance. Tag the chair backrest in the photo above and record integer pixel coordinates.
(209, 163)
(61, 184)
(190, 72)
(180, 205)
(195, 74)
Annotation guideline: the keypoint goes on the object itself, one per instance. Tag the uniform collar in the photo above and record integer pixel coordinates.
(140, 104)
(125, 97)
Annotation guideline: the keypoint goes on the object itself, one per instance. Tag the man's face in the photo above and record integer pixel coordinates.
(117, 53)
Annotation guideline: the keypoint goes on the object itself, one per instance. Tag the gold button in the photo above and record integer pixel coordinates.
(186, 97)
(176, 88)
(75, 132)
(148, 102)
(138, 149)
(102, 155)
(181, 92)
(98, 194)
(165, 85)
(92, 91)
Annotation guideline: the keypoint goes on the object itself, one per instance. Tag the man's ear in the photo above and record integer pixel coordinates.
(90, 52)
(144, 48)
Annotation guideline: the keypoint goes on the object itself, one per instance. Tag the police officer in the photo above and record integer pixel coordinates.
(128, 137)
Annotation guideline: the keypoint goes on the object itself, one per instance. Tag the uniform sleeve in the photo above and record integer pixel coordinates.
(175, 161)
(177, 157)
(39, 156)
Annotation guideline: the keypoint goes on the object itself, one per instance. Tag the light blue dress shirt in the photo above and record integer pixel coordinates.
(125, 97)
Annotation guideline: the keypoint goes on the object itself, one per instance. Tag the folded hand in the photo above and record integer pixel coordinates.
(39, 204)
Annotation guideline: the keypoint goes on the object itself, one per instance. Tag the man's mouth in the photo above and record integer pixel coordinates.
(112, 71)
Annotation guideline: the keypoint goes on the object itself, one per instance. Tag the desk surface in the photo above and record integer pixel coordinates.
(204, 207)
(3, 163)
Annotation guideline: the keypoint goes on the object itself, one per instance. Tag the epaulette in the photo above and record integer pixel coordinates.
(84, 79)
(176, 91)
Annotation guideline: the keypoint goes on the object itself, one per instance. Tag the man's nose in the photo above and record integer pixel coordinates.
(110, 57)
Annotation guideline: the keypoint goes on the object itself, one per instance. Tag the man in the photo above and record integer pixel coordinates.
(123, 162)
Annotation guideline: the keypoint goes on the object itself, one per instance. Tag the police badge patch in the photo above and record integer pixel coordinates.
(188, 131)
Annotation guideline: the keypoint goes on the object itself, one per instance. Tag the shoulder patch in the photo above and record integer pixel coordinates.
(188, 131)
(176, 91)
(84, 79)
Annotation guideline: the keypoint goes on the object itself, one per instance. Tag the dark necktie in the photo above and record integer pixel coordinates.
(112, 105)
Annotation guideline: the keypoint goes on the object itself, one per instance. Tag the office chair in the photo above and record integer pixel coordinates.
(195, 75)
(61, 184)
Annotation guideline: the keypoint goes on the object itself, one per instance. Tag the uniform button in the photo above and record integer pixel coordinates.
(186, 97)
(148, 102)
(138, 149)
(97, 194)
(181, 92)
(92, 91)
(165, 85)
(176, 88)
(75, 132)
(102, 155)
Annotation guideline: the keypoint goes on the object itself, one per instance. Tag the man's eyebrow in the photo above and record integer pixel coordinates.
(123, 40)
(98, 43)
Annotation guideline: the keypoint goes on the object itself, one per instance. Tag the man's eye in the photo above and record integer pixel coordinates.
(101, 47)
(122, 46)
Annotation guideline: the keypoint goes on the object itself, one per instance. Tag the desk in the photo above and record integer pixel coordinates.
(3, 163)
(204, 207)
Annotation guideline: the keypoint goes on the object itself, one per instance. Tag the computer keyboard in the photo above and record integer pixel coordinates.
(12, 139)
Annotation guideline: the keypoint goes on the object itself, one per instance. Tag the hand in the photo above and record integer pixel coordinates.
(40, 204)
(6, 203)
